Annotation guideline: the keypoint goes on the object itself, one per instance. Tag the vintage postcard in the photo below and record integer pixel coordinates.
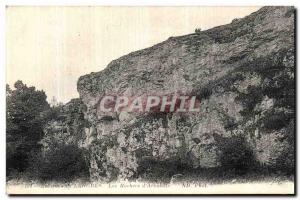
(150, 100)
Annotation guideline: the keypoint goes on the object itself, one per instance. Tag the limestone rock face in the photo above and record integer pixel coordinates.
(243, 73)
(67, 126)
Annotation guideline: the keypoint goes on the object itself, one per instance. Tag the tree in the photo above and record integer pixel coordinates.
(24, 124)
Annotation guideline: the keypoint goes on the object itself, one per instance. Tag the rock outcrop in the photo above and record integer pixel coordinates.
(66, 125)
(243, 73)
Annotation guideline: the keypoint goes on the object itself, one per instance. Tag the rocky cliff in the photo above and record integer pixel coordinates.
(243, 74)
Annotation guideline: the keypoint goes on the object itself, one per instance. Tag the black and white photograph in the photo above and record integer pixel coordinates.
(150, 100)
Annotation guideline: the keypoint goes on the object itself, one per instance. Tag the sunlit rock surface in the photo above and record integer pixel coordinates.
(243, 73)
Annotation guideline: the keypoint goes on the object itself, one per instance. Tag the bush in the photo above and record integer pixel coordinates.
(276, 149)
(62, 163)
(235, 154)
(198, 30)
(203, 92)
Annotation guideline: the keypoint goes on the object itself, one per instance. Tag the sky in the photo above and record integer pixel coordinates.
(51, 47)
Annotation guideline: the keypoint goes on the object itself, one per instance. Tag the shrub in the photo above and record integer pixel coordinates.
(269, 149)
(235, 154)
(61, 163)
(203, 92)
(276, 149)
(198, 30)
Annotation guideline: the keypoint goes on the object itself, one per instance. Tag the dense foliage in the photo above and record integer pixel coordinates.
(61, 163)
(42, 141)
(24, 124)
